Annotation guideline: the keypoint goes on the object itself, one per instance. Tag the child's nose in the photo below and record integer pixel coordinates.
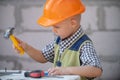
(54, 30)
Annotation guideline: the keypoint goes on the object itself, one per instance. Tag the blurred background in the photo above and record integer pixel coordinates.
(101, 22)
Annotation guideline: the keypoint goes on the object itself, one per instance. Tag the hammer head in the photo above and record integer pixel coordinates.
(8, 32)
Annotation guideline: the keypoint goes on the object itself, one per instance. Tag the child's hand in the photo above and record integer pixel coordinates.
(21, 44)
(56, 71)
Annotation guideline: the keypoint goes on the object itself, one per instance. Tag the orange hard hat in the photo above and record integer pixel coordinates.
(59, 10)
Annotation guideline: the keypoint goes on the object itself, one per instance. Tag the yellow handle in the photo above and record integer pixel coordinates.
(16, 44)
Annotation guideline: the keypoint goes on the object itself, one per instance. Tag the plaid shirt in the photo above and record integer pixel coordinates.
(87, 56)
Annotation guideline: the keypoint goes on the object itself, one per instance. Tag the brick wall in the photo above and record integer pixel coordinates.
(101, 22)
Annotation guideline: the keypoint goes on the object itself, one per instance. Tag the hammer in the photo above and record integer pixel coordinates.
(9, 34)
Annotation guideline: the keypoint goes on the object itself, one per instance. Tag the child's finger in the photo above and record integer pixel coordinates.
(51, 71)
(19, 41)
(16, 50)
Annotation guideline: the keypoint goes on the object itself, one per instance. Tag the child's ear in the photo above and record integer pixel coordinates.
(73, 22)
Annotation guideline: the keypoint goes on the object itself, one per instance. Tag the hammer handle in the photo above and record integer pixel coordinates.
(16, 44)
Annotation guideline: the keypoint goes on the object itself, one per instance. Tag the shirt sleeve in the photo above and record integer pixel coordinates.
(48, 52)
(88, 55)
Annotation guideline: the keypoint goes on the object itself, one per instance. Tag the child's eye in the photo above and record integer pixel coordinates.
(57, 27)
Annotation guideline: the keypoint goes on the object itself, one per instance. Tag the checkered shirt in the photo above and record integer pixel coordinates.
(88, 54)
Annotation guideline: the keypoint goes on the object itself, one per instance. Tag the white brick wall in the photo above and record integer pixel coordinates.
(112, 17)
(6, 16)
(101, 21)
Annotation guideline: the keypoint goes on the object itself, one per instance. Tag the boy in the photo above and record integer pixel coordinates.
(72, 52)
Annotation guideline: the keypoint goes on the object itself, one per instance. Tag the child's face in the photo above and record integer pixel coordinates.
(64, 29)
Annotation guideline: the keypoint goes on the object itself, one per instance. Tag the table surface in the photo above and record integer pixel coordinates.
(21, 77)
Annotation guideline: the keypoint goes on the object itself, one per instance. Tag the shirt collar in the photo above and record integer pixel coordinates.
(67, 42)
